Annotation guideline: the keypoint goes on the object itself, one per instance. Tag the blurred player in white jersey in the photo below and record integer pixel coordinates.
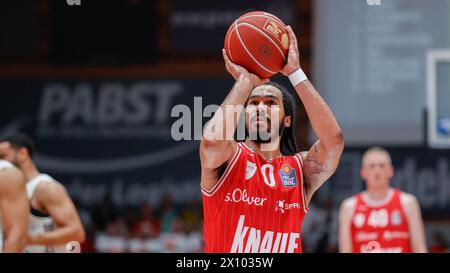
(14, 209)
(53, 221)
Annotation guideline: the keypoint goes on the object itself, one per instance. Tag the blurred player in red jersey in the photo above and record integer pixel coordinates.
(380, 219)
(254, 199)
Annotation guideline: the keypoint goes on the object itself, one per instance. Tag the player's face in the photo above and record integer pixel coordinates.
(7, 152)
(263, 106)
(377, 170)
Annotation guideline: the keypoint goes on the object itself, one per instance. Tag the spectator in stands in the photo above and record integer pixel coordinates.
(168, 214)
(438, 244)
(147, 226)
(105, 213)
(115, 239)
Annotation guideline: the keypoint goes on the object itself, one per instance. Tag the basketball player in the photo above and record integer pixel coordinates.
(380, 219)
(53, 220)
(14, 209)
(254, 199)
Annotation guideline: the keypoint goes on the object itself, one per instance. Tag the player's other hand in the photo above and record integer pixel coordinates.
(293, 61)
(238, 71)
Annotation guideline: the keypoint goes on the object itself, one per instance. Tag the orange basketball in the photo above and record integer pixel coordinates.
(259, 42)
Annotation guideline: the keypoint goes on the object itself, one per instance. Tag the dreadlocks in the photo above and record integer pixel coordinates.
(287, 139)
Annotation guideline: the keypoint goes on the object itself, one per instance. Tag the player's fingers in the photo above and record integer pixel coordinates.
(228, 63)
(291, 41)
(292, 37)
(225, 57)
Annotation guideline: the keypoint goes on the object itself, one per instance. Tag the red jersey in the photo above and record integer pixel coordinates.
(381, 228)
(257, 205)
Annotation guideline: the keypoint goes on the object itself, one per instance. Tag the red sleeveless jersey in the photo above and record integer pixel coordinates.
(382, 228)
(257, 205)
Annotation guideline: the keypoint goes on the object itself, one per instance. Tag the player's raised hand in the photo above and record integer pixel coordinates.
(293, 61)
(237, 71)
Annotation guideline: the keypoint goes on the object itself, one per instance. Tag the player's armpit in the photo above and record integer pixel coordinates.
(319, 163)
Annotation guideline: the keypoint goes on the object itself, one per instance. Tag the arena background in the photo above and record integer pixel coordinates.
(94, 84)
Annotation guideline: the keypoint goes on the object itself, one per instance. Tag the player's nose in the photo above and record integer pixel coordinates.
(261, 108)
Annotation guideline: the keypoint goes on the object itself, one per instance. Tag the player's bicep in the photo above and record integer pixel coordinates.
(416, 225)
(345, 240)
(14, 205)
(15, 214)
(58, 204)
(319, 163)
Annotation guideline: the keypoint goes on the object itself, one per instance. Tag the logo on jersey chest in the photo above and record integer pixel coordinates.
(282, 206)
(396, 218)
(239, 195)
(250, 170)
(359, 220)
(287, 175)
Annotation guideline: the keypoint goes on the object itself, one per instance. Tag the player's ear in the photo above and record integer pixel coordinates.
(390, 170)
(363, 173)
(22, 154)
(287, 121)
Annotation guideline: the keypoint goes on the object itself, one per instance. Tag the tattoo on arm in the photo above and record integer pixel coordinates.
(313, 164)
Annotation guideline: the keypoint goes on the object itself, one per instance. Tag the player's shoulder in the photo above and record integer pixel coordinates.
(302, 155)
(11, 179)
(11, 173)
(407, 199)
(347, 208)
(348, 203)
(49, 187)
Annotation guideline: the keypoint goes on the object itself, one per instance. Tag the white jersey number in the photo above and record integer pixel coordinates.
(378, 218)
(269, 180)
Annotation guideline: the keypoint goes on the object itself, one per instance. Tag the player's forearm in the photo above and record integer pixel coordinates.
(420, 248)
(322, 119)
(15, 242)
(224, 122)
(59, 236)
(417, 229)
(418, 244)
